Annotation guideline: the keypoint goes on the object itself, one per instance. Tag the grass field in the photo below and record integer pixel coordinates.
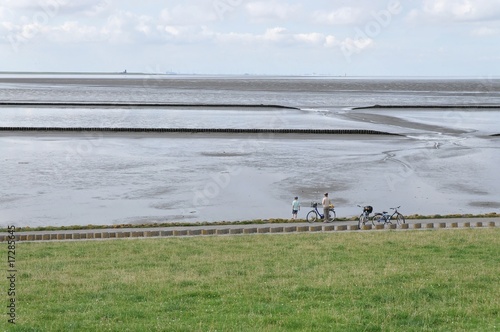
(439, 280)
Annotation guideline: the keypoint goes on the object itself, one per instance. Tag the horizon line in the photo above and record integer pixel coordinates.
(125, 73)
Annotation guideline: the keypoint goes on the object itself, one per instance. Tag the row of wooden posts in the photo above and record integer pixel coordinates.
(201, 130)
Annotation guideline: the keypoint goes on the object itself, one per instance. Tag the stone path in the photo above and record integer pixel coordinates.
(276, 228)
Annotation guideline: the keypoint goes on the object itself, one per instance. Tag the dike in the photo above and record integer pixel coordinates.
(99, 234)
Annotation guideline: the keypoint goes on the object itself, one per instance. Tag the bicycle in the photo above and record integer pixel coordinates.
(386, 218)
(314, 214)
(364, 217)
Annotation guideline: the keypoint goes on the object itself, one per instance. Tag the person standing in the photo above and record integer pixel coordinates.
(295, 207)
(326, 208)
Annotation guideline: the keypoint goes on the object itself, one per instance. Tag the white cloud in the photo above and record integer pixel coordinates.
(331, 41)
(317, 39)
(271, 10)
(172, 30)
(56, 7)
(22, 4)
(7, 26)
(272, 35)
(127, 27)
(275, 34)
(462, 10)
(145, 25)
(280, 36)
(181, 34)
(114, 29)
(177, 24)
(74, 32)
(324, 28)
(311, 38)
(234, 37)
(343, 15)
(356, 45)
(100, 8)
(188, 14)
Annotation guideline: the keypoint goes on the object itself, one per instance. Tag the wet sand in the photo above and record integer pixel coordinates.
(105, 178)
(444, 161)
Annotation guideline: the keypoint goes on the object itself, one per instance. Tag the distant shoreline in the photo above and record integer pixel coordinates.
(76, 73)
(246, 75)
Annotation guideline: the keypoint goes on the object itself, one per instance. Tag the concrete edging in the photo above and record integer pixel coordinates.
(250, 229)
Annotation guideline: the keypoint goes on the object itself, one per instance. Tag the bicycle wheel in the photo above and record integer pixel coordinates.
(377, 219)
(312, 216)
(363, 219)
(400, 219)
(332, 215)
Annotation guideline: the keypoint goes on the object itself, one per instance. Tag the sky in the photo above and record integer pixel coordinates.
(233, 37)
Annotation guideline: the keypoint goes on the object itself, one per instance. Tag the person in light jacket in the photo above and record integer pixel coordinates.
(326, 207)
(295, 207)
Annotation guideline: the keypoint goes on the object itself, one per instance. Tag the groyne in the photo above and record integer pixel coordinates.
(137, 104)
(200, 130)
(429, 107)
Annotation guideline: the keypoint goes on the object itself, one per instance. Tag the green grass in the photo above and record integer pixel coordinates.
(447, 280)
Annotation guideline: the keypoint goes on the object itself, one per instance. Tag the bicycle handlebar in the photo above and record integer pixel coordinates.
(394, 208)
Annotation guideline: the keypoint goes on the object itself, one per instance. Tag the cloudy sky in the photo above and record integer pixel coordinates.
(274, 37)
